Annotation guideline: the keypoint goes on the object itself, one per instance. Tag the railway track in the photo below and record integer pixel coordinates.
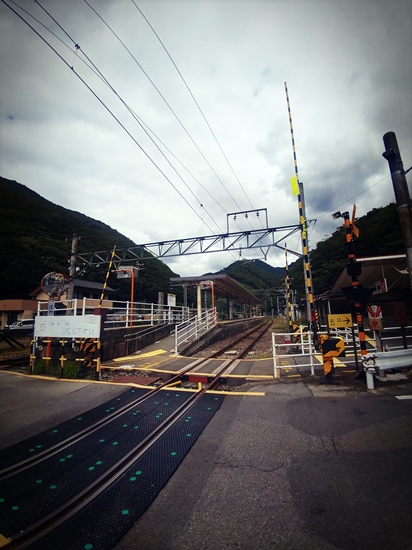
(14, 361)
(241, 345)
(83, 486)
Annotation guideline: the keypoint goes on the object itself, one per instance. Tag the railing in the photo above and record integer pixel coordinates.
(385, 360)
(118, 314)
(144, 334)
(298, 345)
(194, 327)
(394, 338)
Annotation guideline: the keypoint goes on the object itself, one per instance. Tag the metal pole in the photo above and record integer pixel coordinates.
(303, 232)
(289, 305)
(403, 200)
(107, 276)
(72, 269)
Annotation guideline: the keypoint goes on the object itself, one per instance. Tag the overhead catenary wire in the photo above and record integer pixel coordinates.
(195, 101)
(94, 69)
(107, 108)
(144, 126)
(166, 102)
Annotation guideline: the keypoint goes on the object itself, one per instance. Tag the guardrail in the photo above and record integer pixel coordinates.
(118, 314)
(303, 341)
(194, 327)
(385, 360)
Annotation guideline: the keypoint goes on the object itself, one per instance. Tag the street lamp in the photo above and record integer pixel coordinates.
(127, 272)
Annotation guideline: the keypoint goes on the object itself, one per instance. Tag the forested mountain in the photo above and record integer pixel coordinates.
(36, 236)
(380, 233)
(255, 274)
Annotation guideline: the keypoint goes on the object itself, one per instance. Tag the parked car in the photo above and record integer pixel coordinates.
(22, 324)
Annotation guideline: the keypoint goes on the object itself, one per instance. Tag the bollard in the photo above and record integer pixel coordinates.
(331, 347)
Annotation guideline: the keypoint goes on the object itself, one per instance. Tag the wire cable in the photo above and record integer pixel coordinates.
(108, 110)
(138, 120)
(194, 99)
(161, 95)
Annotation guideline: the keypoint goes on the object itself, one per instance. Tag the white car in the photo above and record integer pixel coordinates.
(22, 324)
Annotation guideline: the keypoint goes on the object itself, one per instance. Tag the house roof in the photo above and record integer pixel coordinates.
(225, 287)
(18, 305)
(80, 284)
(375, 268)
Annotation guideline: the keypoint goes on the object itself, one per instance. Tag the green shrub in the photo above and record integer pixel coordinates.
(71, 369)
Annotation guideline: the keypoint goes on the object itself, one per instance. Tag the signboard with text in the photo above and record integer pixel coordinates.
(82, 326)
(340, 320)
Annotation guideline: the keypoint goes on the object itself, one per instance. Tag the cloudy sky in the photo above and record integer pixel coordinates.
(198, 124)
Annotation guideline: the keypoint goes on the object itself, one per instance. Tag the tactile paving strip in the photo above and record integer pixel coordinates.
(101, 524)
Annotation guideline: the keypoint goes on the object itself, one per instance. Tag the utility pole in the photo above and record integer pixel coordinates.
(72, 269)
(400, 187)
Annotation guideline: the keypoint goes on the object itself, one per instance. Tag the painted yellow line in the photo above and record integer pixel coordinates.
(4, 541)
(249, 376)
(137, 366)
(143, 355)
(251, 393)
(293, 376)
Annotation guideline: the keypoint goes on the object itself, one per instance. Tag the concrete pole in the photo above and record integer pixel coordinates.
(403, 200)
(72, 270)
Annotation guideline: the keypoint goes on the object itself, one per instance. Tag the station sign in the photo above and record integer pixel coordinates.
(340, 320)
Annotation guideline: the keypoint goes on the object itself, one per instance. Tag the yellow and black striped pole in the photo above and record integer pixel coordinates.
(287, 285)
(107, 276)
(297, 189)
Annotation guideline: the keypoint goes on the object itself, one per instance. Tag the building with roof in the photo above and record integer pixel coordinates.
(388, 279)
(12, 310)
(220, 286)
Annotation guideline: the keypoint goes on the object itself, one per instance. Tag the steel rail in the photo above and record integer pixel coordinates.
(242, 337)
(78, 436)
(35, 532)
(58, 447)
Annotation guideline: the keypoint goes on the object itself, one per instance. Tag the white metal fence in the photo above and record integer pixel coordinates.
(118, 314)
(194, 327)
(288, 347)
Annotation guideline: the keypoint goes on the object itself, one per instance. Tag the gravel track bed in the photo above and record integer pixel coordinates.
(261, 350)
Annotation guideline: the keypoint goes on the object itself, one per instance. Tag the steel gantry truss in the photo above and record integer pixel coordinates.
(263, 239)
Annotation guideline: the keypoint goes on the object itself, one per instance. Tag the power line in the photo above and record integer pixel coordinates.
(163, 98)
(138, 120)
(107, 108)
(354, 197)
(96, 71)
(196, 103)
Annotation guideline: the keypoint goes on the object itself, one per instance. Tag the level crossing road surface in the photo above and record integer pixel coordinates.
(305, 466)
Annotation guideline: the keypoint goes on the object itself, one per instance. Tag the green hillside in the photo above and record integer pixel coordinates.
(255, 274)
(36, 236)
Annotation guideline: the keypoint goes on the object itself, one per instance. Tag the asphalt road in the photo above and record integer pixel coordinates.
(304, 467)
(291, 470)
